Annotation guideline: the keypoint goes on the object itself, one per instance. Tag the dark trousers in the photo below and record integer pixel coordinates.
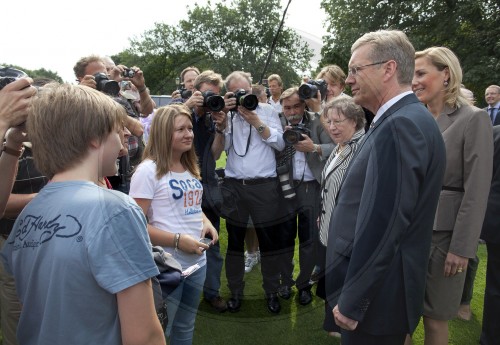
(306, 209)
(260, 203)
(215, 261)
(491, 311)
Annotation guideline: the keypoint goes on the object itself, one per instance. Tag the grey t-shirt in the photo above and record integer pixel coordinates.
(71, 250)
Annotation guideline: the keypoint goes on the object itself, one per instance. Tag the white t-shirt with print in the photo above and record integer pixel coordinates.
(175, 205)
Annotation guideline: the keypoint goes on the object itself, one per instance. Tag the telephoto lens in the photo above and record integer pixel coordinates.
(247, 101)
(213, 101)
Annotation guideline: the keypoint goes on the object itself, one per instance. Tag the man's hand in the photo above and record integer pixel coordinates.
(16, 136)
(219, 118)
(230, 102)
(314, 104)
(304, 145)
(89, 80)
(249, 116)
(196, 100)
(343, 321)
(14, 102)
(455, 264)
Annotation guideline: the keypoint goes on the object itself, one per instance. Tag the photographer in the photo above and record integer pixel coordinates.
(208, 124)
(14, 101)
(91, 71)
(186, 87)
(301, 164)
(250, 187)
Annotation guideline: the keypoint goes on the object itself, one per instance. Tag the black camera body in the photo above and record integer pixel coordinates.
(105, 85)
(248, 101)
(185, 93)
(128, 73)
(9, 75)
(310, 89)
(294, 135)
(213, 101)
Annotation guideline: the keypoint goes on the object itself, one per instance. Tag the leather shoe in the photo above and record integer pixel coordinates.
(273, 303)
(285, 291)
(218, 304)
(305, 297)
(234, 304)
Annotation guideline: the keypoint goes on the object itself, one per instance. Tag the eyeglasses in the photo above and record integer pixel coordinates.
(353, 71)
(335, 122)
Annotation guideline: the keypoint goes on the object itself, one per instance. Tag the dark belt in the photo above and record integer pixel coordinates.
(453, 189)
(253, 181)
(303, 182)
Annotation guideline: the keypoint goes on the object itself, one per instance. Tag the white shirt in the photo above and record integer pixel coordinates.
(389, 104)
(259, 160)
(275, 105)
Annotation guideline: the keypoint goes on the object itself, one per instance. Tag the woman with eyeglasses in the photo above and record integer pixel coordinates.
(344, 121)
(468, 138)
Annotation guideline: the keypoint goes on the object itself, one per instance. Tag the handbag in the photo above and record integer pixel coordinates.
(165, 282)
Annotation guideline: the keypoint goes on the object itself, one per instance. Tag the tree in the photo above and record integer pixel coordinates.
(37, 73)
(469, 28)
(222, 38)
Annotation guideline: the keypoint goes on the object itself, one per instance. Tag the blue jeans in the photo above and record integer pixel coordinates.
(214, 262)
(182, 307)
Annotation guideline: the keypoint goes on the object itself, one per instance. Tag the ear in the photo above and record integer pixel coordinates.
(94, 144)
(390, 69)
(446, 72)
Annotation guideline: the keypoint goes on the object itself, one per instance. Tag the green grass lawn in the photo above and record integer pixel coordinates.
(297, 324)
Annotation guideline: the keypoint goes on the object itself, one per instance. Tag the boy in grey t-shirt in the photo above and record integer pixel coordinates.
(80, 254)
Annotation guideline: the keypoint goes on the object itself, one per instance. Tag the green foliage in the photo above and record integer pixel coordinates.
(469, 28)
(37, 73)
(220, 37)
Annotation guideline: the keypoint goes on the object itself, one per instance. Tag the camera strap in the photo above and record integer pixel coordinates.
(232, 140)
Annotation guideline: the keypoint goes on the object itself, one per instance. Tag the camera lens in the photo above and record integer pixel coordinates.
(185, 94)
(307, 91)
(291, 137)
(214, 103)
(249, 101)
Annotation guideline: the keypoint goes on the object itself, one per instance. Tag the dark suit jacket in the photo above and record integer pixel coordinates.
(381, 228)
(497, 118)
(491, 225)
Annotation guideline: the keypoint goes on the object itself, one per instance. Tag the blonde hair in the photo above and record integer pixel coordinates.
(275, 77)
(442, 58)
(64, 119)
(334, 72)
(159, 146)
(208, 77)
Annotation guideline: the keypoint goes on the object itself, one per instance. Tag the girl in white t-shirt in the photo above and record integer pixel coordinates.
(166, 185)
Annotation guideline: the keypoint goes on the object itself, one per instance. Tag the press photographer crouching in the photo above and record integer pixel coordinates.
(299, 167)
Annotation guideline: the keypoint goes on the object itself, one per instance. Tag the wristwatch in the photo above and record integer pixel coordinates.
(261, 128)
(315, 148)
(11, 151)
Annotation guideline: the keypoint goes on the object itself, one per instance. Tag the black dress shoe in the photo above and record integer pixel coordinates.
(305, 296)
(273, 303)
(285, 291)
(234, 304)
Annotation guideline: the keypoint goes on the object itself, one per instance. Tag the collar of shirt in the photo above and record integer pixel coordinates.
(389, 104)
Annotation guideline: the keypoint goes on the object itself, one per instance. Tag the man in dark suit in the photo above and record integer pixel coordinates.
(492, 97)
(308, 148)
(491, 234)
(380, 230)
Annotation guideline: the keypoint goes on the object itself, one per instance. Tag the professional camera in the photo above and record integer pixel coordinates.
(9, 75)
(213, 101)
(248, 101)
(294, 135)
(128, 73)
(185, 93)
(285, 182)
(105, 85)
(310, 89)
